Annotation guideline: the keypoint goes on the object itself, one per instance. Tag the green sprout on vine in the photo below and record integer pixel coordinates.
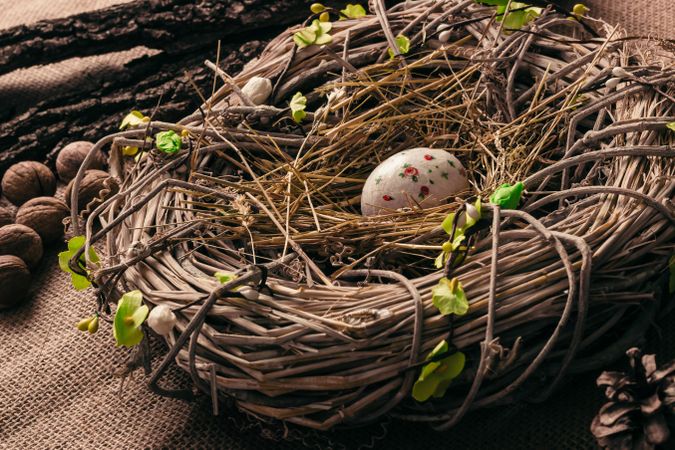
(468, 219)
(168, 142)
(436, 376)
(80, 282)
(298, 104)
(403, 45)
(129, 316)
(449, 297)
(507, 196)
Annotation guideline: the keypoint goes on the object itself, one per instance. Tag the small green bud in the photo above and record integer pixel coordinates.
(580, 9)
(316, 8)
(93, 325)
(324, 17)
(83, 324)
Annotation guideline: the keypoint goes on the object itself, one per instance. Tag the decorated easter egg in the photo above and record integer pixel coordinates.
(423, 177)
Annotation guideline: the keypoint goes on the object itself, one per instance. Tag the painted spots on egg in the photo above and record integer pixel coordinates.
(419, 176)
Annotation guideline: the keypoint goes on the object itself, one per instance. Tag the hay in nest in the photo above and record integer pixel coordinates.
(335, 318)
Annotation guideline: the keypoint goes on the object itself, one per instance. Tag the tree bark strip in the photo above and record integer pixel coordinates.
(39, 133)
(174, 26)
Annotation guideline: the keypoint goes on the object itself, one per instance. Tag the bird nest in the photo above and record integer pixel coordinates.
(327, 315)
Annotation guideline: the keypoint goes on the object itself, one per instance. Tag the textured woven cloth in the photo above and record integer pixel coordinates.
(58, 387)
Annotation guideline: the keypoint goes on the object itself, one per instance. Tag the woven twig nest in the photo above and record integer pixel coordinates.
(330, 318)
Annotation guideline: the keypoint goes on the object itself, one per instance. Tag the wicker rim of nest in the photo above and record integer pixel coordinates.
(548, 284)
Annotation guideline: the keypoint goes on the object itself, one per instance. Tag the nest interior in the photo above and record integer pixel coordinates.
(330, 318)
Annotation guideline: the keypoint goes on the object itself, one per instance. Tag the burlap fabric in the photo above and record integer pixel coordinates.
(58, 387)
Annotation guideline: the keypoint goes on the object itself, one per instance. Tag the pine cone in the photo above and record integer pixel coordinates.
(641, 406)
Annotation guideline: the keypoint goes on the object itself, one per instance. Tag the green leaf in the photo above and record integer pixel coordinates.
(316, 33)
(439, 262)
(671, 279)
(507, 196)
(298, 105)
(322, 27)
(353, 11)
(75, 243)
(133, 119)
(323, 39)
(224, 277)
(129, 316)
(448, 222)
(435, 377)
(441, 347)
(671, 126)
(520, 13)
(403, 45)
(168, 142)
(79, 282)
(305, 37)
(449, 297)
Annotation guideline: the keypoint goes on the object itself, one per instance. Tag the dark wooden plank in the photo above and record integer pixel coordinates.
(170, 25)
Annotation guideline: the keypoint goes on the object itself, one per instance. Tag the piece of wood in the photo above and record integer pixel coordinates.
(39, 133)
(174, 26)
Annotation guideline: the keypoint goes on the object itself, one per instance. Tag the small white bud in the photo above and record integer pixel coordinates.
(472, 212)
(258, 89)
(161, 319)
(620, 72)
(461, 221)
(612, 83)
(444, 36)
(443, 26)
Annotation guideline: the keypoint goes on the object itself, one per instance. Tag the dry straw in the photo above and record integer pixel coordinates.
(336, 318)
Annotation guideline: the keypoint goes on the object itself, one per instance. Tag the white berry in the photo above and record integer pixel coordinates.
(161, 319)
(258, 89)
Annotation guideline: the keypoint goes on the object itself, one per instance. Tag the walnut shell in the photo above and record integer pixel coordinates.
(45, 216)
(6, 216)
(21, 241)
(14, 280)
(94, 184)
(71, 157)
(26, 180)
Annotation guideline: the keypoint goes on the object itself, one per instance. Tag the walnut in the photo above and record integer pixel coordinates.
(6, 216)
(71, 157)
(45, 216)
(21, 241)
(94, 184)
(26, 180)
(14, 280)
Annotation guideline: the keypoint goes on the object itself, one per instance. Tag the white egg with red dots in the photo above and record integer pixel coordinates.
(417, 177)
